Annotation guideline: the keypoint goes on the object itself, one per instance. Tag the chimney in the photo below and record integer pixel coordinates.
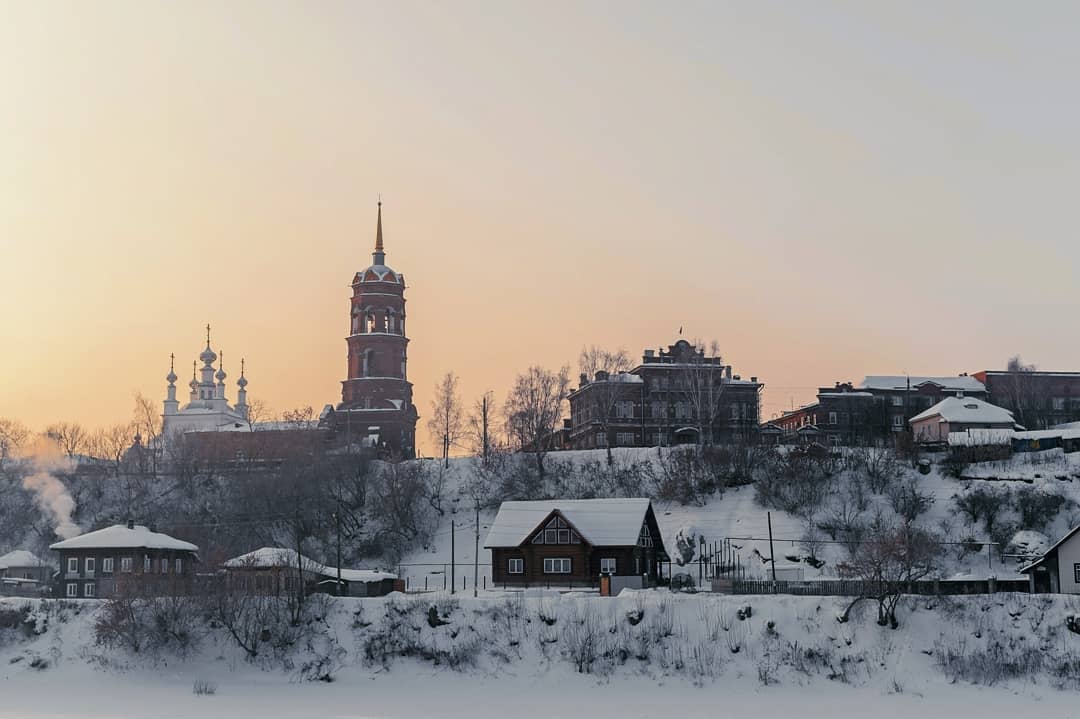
(753, 379)
(131, 524)
(583, 379)
(728, 371)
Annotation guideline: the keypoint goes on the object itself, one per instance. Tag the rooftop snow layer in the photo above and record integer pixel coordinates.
(270, 557)
(900, 382)
(21, 558)
(119, 536)
(966, 410)
(601, 522)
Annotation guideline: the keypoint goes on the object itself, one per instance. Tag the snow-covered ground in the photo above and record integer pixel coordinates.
(794, 658)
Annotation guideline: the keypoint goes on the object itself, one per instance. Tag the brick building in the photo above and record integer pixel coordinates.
(376, 396)
(1038, 400)
(675, 396)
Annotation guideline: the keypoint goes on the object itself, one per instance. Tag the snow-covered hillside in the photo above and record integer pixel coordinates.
(643, 654)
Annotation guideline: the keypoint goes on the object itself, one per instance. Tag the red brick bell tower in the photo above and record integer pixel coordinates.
(376, 398)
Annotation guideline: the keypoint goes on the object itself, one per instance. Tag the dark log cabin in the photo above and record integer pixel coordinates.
(573, 542)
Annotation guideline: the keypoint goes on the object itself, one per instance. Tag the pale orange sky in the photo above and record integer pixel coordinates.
(829, 189)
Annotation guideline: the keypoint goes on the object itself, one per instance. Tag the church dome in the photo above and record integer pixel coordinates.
(377, 273)
(242, 382)
(171, 377)
(220, 375)
(207, 355)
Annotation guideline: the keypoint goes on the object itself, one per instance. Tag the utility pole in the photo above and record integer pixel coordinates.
(453, 558)
(772, 552)
(476, 551)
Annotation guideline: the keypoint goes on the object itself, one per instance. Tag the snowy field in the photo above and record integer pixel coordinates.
(885, 673)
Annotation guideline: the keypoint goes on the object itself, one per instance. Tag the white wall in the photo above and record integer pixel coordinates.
(1068, 555)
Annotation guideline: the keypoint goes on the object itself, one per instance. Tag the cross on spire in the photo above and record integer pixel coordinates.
(208, 334)
(172, 361)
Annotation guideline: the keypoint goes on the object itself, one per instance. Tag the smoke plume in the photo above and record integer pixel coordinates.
(49, 492)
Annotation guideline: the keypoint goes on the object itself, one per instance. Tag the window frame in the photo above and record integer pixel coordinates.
(89, 590)
(179, 565)
(608, 565)
(1076, 572)
(107, 565)
(127, 565)
(73, 565)
(558, 565)
(91, 565)
(72, 590)
(513, 562)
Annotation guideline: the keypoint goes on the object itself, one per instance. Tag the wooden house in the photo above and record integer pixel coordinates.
(124, 558)
(279, 571)
(573, 542)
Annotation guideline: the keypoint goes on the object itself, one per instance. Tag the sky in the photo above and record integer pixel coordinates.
(829, 189)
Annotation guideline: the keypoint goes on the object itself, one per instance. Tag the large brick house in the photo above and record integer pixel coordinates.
(124, 558)
(1038, 400)
(677, 396)
(574, 541)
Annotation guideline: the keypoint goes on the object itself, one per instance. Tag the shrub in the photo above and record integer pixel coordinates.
(1038, 508)
(201, 687)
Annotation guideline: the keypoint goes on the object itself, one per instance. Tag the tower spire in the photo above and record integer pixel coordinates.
(208, 335)
(379, 256)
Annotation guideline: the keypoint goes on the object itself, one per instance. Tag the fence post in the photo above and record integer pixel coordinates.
(991, 585)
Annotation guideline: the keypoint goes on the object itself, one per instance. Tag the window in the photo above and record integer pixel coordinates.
(832, 417)
(147, 567)
(88, 589)
(645, 538)
(624, 410)
(735, 411)
(607, 565)
(107, 565)
(125, 565)
(898, 421)
(90, 565)
(556, 566)
(624, 439)
(601, 439)
(73, 565)
(897, 401)
(516, 566)
(657, 410)
(179, 565)
(72, 590)
(1076, 573)
(164, 566)
(1059, 404)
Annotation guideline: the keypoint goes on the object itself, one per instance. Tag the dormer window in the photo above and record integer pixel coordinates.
(557, 531)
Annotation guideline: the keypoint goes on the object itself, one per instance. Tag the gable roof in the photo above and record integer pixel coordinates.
(21, 558)
(966, 409)
(900, 382)
(601, 522)
(280, 557)
(120, 536)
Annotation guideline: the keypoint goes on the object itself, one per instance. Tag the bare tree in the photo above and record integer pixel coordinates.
(112, 443)
(148, 425)
(702, 385)
(299, 417)
(13, 435)
(603, 368)
(258, 411)
(886, 565)
(447, 419)
(533, 409)
(70, 437)
(1023, 394)
(478, 427)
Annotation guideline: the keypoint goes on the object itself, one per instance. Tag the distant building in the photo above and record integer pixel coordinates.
(678, 396)
(1058, 570)
(959, 415)
(23, 573)
(208, 408)
(1038, 400)
(376, 396)
(124, 558)
(873, 412)
(574, 541)
(278, 571)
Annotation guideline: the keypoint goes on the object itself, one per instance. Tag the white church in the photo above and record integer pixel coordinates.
(207, 409)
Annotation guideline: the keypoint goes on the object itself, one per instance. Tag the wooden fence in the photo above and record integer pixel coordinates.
(856, 588)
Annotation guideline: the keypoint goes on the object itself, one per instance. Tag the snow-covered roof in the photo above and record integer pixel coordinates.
(21, 558)
(601, 522)
(966, 410)
(274, 557)
(855, 393)
(120, 536)
(900, 382)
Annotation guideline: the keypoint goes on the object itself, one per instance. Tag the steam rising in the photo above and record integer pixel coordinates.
(49, 492)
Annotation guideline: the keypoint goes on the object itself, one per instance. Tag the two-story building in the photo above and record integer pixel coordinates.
(1038, 400)
(124, 558)
(674, 396)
